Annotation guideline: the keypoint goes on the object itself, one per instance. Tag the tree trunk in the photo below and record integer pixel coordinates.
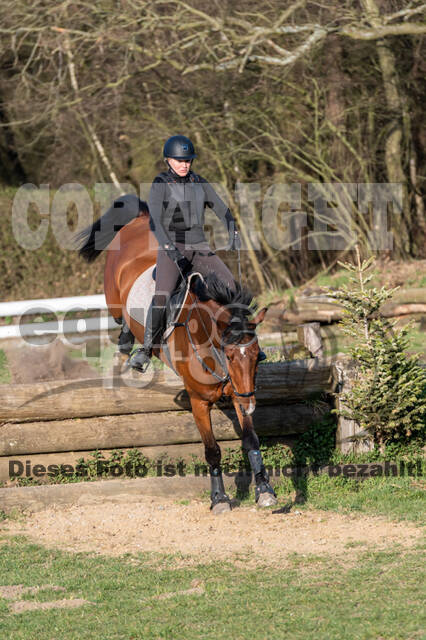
(11, 170)
(335, 103)
(394, 139)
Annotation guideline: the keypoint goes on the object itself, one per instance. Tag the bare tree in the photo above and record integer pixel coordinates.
(272, 92)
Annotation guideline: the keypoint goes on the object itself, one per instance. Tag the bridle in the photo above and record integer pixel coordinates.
(218, 353)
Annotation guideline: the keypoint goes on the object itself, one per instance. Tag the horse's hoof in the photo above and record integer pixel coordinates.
(267, 500)
(265, 495)
(220, 507)
(126, 366)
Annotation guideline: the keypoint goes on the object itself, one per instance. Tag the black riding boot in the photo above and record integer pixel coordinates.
(153, 331)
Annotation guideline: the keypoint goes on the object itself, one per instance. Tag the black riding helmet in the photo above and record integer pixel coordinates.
(179, 148)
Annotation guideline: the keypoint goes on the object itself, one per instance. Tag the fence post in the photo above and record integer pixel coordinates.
(309, 335)
(350, 438)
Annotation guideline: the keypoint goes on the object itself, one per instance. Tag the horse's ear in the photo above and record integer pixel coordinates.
(260, 315)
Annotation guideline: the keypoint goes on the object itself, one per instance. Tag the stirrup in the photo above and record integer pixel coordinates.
(139, 360)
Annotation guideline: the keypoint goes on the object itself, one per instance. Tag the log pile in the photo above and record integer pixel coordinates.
(61, 421)
(323, 309)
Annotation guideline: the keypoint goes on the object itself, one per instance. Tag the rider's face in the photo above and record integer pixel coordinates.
(181, 167)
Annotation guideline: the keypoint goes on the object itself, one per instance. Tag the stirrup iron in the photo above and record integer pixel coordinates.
(139, 360)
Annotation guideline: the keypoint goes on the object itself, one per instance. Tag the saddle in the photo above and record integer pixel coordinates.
(141, 294)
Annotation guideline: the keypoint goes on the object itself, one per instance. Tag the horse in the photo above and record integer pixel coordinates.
(215, 330)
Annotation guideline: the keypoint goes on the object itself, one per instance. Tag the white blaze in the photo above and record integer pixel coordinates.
(251, 408)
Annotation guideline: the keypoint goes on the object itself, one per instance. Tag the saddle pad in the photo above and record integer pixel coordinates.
(142, 292)
(140, 296)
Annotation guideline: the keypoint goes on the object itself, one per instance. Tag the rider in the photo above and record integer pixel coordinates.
(177, 201)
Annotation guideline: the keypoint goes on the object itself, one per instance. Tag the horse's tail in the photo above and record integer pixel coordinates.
(97, 236)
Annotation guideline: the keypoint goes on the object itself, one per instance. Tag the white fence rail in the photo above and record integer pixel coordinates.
(25, 307)
(59, 326)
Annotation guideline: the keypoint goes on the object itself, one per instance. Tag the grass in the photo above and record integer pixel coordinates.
(417, 341)
(417, 281)
(336, 280)
(99, 357)
(334, 342)
(381, 274)
(4, 369)
(367, 594)
(375, 595)
(396, 498)
(339, 277)
(399, 498)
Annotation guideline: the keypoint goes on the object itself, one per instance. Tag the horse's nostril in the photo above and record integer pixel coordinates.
(243, 411)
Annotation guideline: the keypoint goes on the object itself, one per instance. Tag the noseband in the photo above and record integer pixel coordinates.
(243, 395)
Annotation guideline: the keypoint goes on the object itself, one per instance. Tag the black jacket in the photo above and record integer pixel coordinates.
(177, 205)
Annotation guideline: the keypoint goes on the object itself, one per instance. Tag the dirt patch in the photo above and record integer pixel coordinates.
(246, 533)
(22, 606)
(45, 362)
(15, 591)
(197, 589)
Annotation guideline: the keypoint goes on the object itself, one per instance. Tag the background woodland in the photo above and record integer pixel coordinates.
(271, 92)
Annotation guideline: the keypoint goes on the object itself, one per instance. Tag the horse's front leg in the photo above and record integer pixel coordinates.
(264, 493)
(220, 502)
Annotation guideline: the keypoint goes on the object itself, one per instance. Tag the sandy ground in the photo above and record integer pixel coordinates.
(245, 535)
(45, 362)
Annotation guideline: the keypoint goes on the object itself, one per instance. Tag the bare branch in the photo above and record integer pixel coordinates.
(405, 13)
(288, 12)
(318, 35)
(376, 33)
(95, 139)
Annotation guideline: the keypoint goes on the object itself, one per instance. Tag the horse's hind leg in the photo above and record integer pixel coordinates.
(264, 493)
(125, 343)
(220, 502)
(126, 339)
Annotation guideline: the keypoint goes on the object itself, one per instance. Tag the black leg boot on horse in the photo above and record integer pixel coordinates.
(126, 340)
(263, 492)
(125, 343)
(154, 328)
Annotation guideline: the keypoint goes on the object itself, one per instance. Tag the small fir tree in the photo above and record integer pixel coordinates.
(388, 396)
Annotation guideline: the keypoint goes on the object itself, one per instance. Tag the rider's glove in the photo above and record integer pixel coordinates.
(184, 265)
(234, 241)
(173, 253)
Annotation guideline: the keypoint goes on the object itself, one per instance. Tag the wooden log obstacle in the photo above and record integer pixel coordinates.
(59, 422)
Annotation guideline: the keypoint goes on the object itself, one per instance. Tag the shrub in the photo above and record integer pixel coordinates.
(388, 396)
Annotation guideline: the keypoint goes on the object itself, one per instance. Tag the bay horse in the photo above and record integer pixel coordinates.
(214, 329)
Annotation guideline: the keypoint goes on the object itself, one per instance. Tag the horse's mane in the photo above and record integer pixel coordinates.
(238, 302)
